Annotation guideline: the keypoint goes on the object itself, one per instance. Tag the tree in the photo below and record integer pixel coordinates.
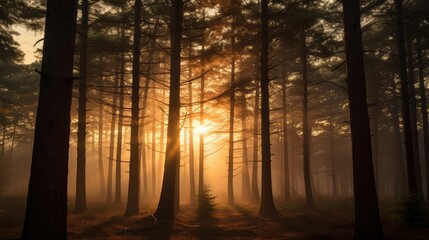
(46, 212)
(165, 208)
(134, 180)
(267, 203)
(367, 218)
(81, 134)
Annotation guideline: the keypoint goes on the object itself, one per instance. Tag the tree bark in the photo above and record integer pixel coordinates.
(424, 110)
(192, 195)
(411, 172)
(413, 115)
(246, 195)
(285, 144)
(81, 134)
(100, 150)
(367, 219)
(267, 208)
(46, 213)
(231, 126)
(134, 180)
(165, 210)
(255, 191)
(305, 129)
(112, 140)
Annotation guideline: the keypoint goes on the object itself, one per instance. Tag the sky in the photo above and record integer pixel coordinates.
(27, 39)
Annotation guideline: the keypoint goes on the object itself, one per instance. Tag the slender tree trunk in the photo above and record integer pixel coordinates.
(81, 134)
(112, 140)
(285, 144)
(413, 116)
(118, 191)
(100, 150)
(201, 142)
(400, 179)
(191, 136)
(153, 155)
(3, 146)
(134, 180)
(255, 192)
(231, 127)
(161, 144)
(332, 153)
(411, 172)
(165, 208)
(367, 218)
(245, 165)
(305, 131)
(267, 208)
(46, 213)
(424, 110)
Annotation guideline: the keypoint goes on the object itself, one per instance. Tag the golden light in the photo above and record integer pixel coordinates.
(202, 129)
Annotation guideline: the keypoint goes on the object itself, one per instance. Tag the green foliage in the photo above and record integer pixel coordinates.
(206, 205)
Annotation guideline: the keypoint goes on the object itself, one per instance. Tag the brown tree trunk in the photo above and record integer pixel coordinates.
(246, 195)
(413, 116)
(100, 150)
(112, 140)
(46, 213)
(411, 172)
(306, 133)
(118, 191)
(192, 195)
(424, 110)
(165, 210)
(134, 179)
(231, 127)
(267, 208)
(367, 219)
(81, 134)
(255, 191)
(285, 144)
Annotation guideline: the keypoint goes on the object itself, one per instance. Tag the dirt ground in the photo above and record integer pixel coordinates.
(103, 221)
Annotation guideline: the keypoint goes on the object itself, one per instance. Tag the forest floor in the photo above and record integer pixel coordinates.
(106, 221)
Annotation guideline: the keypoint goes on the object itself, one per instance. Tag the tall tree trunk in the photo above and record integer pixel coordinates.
(367, 219)
(285, 144)
(255, 192)
(245, 165)
(153, 155)
(231, 126)
(305, 130)
(411, 170)
(400, 179)
(118, 191)
(201, 140)
(413, 116)
(161, 144)
(191, 135)
(46, 213)
(267, 208)
(332, 153)
(81, 134)
(424, 110)
(134, 179)
(100, 150)
(3, 146)
(165, 208)
(112, 139)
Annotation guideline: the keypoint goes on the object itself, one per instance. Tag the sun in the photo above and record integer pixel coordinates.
(202, 129)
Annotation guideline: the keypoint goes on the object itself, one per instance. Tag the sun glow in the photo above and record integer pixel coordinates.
(202, 129)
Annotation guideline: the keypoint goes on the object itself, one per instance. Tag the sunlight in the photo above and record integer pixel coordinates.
(202, 129)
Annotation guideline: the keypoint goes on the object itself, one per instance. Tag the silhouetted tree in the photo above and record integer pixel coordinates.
(367, 218)
(165, 208)
(46, 213)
